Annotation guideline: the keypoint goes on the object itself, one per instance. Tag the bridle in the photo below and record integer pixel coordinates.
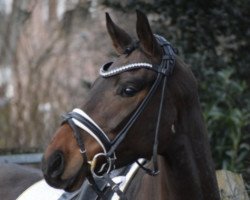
(78, 119)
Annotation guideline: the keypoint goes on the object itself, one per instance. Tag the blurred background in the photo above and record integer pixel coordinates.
(51, 51)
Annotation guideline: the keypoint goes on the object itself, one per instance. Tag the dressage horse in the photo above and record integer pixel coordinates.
(145, 103)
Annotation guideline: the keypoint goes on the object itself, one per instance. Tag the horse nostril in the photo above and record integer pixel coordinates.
(55, 165)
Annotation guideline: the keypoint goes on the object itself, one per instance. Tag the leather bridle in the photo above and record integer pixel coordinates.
(78, 119)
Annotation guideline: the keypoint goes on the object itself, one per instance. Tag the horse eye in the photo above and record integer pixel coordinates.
(129, 91)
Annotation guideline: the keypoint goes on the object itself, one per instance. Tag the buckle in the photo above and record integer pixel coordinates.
(105, 167)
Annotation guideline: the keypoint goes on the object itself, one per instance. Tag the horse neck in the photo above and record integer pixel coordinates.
(186, 168)
(188, 162)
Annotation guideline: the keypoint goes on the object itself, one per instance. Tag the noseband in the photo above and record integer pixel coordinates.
(78, 119)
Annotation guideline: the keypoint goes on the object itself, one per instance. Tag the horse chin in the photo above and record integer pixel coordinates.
(69, 185)
(74, 183)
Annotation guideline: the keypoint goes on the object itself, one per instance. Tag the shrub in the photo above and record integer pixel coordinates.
(226, 117)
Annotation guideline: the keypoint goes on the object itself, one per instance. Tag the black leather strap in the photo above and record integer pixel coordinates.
(79, 140)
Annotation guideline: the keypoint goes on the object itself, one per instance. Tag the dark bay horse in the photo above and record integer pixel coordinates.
(131, 113)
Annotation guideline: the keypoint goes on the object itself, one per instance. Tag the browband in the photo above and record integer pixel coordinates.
(104, 72)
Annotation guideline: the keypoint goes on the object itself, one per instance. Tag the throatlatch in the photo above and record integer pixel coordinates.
(78, 119)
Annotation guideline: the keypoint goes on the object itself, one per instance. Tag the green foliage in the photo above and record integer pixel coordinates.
(226, 118)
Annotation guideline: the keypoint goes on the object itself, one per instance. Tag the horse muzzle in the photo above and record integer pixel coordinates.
(53, 169)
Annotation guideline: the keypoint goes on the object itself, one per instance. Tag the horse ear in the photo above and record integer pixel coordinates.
(121, 40)
(145, 35)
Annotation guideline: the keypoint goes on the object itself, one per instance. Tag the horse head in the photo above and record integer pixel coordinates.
(112, 105)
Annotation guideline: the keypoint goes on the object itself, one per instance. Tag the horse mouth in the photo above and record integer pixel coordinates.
(69, 185)
(75, 182)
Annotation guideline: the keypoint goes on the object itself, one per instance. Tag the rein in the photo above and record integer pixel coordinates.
(78, 119)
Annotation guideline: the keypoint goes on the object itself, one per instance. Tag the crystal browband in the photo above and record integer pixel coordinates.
(104, 72)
